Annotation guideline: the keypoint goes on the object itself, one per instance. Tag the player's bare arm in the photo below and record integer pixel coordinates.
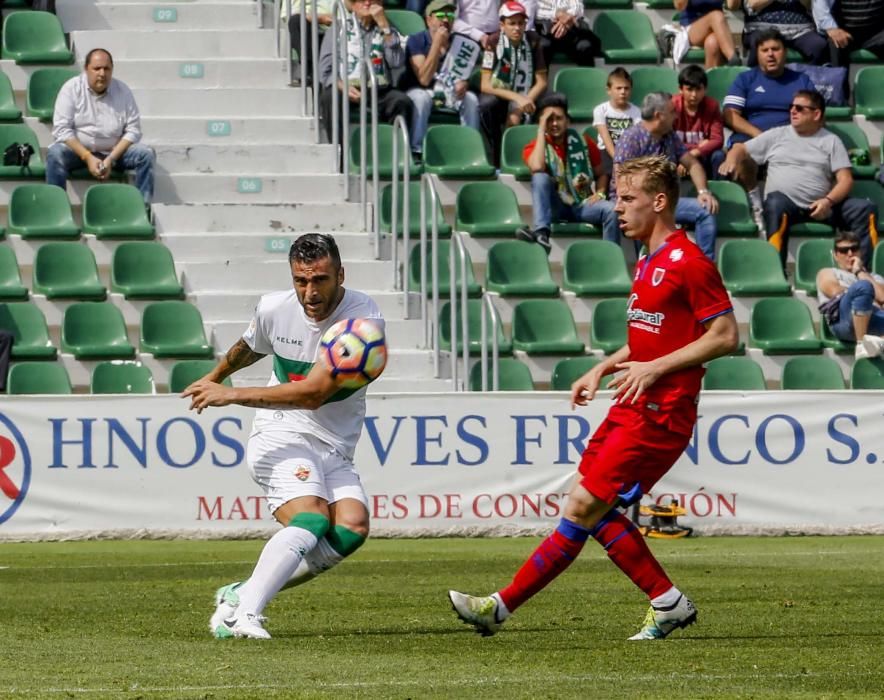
(585, 388)
(721, 338)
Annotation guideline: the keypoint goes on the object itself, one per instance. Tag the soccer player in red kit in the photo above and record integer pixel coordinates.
(679, 316)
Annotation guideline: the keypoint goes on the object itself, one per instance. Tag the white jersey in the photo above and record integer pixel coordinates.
(282, 329)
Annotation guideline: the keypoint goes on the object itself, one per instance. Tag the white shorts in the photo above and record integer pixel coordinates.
(289, 465)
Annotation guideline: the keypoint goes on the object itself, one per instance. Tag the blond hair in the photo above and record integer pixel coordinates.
(659, 176)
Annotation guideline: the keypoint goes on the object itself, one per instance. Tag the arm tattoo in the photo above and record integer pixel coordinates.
(241, 355)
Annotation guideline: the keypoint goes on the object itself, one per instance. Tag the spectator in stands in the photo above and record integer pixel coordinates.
(480, 19)
(97, 124)
(615, 116)
(698, 120)
(562, 27)
(707, 28)
(437, 60)
(851, 297)
(567, 181)
(323, 15)
(808, 176)
(370, 35)
(791, 18)
(513, 75)
(654, 136)
(851, 25)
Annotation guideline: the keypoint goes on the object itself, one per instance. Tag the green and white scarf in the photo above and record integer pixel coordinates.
(460, 60)
(356, 37)
(574, 177)
(514, 67)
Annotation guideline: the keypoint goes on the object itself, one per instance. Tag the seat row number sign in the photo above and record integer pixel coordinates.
(218, 128)
(165, 14)
(191, 70)
(248, 185)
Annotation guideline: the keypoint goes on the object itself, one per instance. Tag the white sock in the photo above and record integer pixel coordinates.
(318, 560)
(279, 559)
(502, 611)
(755, 198)
(666, 600)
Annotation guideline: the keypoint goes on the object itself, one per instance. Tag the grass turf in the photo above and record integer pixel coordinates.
(778, 617)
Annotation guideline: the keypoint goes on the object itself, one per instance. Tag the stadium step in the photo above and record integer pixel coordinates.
(255, 188)
(136, 14)
(220, 103)
(203, 74)
(272, 158)
(186, 44)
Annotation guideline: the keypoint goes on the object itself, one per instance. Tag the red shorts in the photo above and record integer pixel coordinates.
(623, 453)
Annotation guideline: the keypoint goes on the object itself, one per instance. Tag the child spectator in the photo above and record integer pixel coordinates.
(698, 120)
(615, 116)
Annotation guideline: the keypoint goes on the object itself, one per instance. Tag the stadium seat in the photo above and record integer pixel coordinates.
(720, 80)
(43, 87)
(29, 331)
(455, 151)
(41, 211)
(652, 79)
(874, 192)
(867, 373)
(406, 21)
(627, 37)
(816, 229)
(474, 330)
(414, 267)
(734, 374)
(512, 375)
(186, 372)
(864, 56)
(38, 378)
(782, 326)
(810, 258)
(857, 143)
(8, 110)
(545, 327)
(487, 209)
(35, 37)
(385, 154)
(878, 260)
(734, 215)
(95, 330)
(660, 4)
(868, 94)
(11, 288)
(443, 228)
(518, 268)
(569, 370)
(585, 88)
(829, 340)
(514, 141)
(144, 270)
(22, 134)
(67, 270)
(812, 374)
(608, 330)
(115, 210)
(751, 267)
(595, 268)
(121, 377)
(173, 329)
(607, 4)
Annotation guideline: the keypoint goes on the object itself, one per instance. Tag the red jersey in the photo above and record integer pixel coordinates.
(674, 292)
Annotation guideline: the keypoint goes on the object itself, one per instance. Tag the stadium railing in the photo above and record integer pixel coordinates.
(457, 255)
(490, 311)
(400, 133)
(428, 190)
(366, 71)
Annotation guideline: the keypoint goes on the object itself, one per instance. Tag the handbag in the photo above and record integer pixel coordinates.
(18, 154)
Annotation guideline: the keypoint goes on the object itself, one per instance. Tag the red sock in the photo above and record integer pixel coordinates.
(551, 558)
(628, 550)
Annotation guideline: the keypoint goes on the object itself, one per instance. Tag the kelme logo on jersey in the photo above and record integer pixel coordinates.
(650, 321)
(15, 468)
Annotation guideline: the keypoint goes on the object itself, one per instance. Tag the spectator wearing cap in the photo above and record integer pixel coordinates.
(514, 75)
(562, 27)
(567, 179)
(441, 64)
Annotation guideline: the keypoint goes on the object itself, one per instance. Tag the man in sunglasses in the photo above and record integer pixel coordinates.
(808, 177)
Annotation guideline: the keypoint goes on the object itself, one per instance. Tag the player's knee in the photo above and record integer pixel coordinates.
(315, 523)
(345, 540)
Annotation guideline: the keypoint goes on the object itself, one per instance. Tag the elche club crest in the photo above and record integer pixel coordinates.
(15, 468)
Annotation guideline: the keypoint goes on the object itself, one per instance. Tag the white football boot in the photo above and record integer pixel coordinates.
(659, 623)
(483, 613)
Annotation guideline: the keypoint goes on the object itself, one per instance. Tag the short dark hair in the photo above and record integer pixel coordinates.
(550, 100)
(771, 34)
(95, 51)
(692, 76)
(311, 247)
(621, 73)
(815, 97)
(843, 236)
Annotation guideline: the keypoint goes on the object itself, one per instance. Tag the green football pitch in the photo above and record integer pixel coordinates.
(778, 617)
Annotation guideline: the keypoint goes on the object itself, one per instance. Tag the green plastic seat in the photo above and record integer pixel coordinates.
(38, 378)
(867, 373)
(574, 228)
(455, 151)
(518, 268)
(173, 329)
(43, 87)
(414, 268)
(35, 37)
(627, 37)
(570, 369)
(607, 4)
(874, 192)
(23, 134)
(406, 21)
(11, 288)
(67, 270)
(514, 141)
(29, 331)
(487, 209)
(95, 330)
(734, 374)
(734, 215)
(443, 228)
(652, 79)
(661, 5)
(512, 375)
(878, 260)
(186, 372)
(595, 268)
(782, 326)
(41, 211)
(829, 340)
(115, 210)
(811, 257)
(855, 139)
(720, 80)
(144, 270)
(608, 330)
(751, 267)
(585, 87)
(864, 56)
(121, 377)
(815, 229)
(868, 94)
(812, 374)
(385, 154)
(8, 110)
(545, 327)
(474, 330)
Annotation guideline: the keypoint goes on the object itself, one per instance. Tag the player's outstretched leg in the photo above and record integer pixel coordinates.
(339, 542)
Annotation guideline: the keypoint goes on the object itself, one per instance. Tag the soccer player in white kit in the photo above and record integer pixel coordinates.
(304, 435)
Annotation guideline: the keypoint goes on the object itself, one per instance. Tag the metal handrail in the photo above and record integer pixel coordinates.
(456, 250)
(427, 185)
(340, 137)
(366, 71)
(310, 109)
(400, 131)
(491, 311)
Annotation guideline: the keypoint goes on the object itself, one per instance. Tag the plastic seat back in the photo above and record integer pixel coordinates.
(751, 267)
(720, 80)
(443, 228)
(115, 210)
(35, 37)
(867, 373)
(811, 257)
(514, 141)
(569, 370)
(627, 37)
(11, 288)
(857, 144)
(868, 94)
(782, 326)
(122, 378)
(29, 331)
(144, 270)
(585, 87)
(474, 330)
(38, 378)
(545, 327)
(173, 329)
(186, 372)
(455, 151)
(67, 270)
(734, 215)
(734, 374)
(596, 268)
(406, 21)
(608, 329)
(41, 211)
(512, 375)
(95, 330)
(652, 79)
(517, 268)
(43, 87)
(414, 271)
(8, 109)
(487, 209)
(385, 154)
(812, 374)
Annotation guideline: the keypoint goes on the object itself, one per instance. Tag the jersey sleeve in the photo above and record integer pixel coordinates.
(598, 115)
(256, 335)
(528, 150)
(736, 94)
(706, 294)
(759, 147)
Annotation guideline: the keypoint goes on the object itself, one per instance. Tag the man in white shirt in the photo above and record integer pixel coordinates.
(97, 124)
(562, 27)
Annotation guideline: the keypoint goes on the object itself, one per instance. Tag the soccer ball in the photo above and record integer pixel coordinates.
(354, 351)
